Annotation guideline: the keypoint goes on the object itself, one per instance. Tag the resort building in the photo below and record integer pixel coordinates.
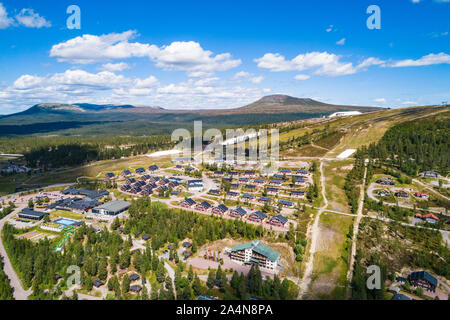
(112, 208)
(255, 252)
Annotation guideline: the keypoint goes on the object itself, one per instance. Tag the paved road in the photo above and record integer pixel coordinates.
(19, 292)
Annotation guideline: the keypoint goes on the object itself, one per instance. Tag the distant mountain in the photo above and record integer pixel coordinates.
(287, 104)
(95, 119)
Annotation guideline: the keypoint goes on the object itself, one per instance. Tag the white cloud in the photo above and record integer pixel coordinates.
(115, 67)
(302, 77)
(257, 80)
(101, 80)
(147, 83)
(427, 60)
(380, 100)
(27, 82)
(5, 21)
(90, 49)
(409, 102)
(241, 74)
(330, 28)
(31, 19)
(186, 56)
(324, 63)
(341, 42)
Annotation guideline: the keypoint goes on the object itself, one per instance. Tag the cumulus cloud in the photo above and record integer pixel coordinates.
(31, 19)
(78, 85)
(341, 42)
(427, 60)
(115, 67)
(302, 77)
(186, 56)
(380, 100)
(243, 75)
(5, 21)
(324, 63)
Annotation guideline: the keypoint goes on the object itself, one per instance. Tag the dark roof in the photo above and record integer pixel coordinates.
(205, 297)
(145, 237)
(153, 167)
(288, 203)
(399, 296)
(134, 277)
(240, 211)
(136, 288)
(189, 201)
(187, 244)
(280, 218)
(32, 213)
(264, 199)
(222, 207)
(259, 214)
(424, 275)
(97, 283)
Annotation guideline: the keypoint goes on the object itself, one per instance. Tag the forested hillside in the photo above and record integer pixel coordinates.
(415, 146)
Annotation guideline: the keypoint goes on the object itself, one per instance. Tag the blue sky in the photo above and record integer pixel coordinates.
(223, 54)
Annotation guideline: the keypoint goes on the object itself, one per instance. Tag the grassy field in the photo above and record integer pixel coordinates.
(331, 258)
(335, 173)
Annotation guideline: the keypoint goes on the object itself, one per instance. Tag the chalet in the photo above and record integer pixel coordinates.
(238, 213)
(187, 244)
(244, 180)
(179, 167)
(255, 252)
(401, 194)
(145, 193)
(250, 187)
(148, 188)
(257, 216)
(276, 182)
(249, 174)
(430, 174)
(204, 206)
(219, 173)
(423, 279)
(140, 170)
(136, 289)
(386, 182)
(141, 183)
(145, 237)
(153, 168)
(195, 185)
(278, 220)
(130, 181)
(232, 195)
(146, 177)
(259, 181)
(264, 200)
(220, 209)
(299, 180)
(287, 204)
(303, 172)
(136, 189)
(214, 192)
(272, 190)
(126, 172)
(134, 277)
(234, 186)
(227, 179)
(125, 188)
(97, 283)
(175, 193)
(383, 193)
(188, 203)
(298, 194)
(109, 175)
(286, 171)
(422, 195)
(279, 176)
(248, 197)
(430, 218)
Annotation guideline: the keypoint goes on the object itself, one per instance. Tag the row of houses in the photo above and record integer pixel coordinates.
(238, 212)
(270, 191)
(250, 174)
